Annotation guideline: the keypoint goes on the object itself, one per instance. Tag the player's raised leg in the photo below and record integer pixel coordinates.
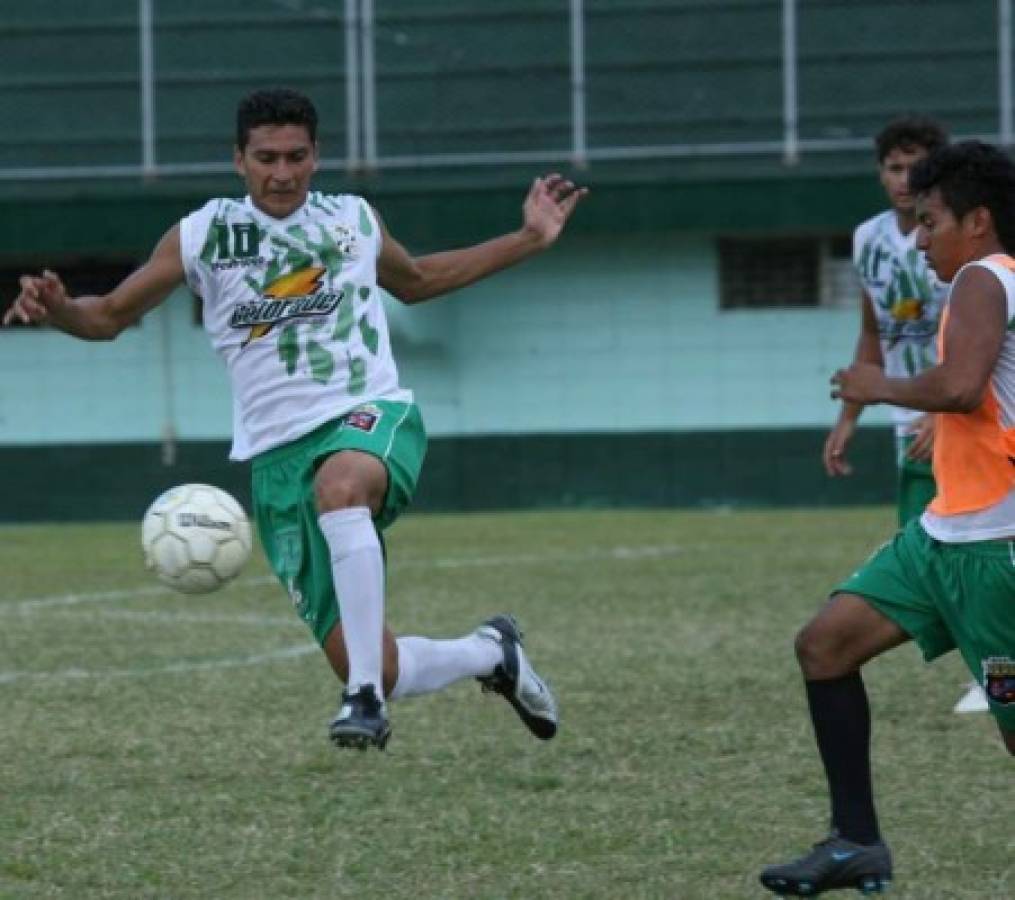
(356, 490)
(493, 654)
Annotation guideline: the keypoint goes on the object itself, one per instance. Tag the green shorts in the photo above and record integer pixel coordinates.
(285, 508)
(946, 596)
(916, 482)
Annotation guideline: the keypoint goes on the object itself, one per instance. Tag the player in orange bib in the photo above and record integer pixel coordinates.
(947, 579)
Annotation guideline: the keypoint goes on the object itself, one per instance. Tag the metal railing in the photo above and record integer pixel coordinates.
(364, 148)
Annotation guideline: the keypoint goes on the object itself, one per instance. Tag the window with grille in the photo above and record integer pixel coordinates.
(786, 272)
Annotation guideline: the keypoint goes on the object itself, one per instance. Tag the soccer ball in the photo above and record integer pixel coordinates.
(195, 538)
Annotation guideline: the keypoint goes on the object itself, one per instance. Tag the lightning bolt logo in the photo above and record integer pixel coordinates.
(278, 302)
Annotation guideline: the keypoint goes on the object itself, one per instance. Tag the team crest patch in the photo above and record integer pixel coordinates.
(999, 679)
(364, 418)
(345, 240)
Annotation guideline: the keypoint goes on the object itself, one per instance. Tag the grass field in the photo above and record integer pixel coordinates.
(155, 745)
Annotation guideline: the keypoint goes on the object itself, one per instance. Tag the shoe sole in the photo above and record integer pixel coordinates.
(868, 885)
(358, 739)
(541, 728)
(508, 628)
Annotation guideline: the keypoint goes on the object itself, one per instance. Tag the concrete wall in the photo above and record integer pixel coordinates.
(599, 334)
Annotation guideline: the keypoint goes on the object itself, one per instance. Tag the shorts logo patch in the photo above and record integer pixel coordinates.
(999, 679)
(364, 418)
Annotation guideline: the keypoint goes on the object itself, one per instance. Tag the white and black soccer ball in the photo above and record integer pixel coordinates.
(195, 538)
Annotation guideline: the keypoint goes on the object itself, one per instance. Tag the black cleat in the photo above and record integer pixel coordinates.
(517, 681)
(361, 722)
(833, 863)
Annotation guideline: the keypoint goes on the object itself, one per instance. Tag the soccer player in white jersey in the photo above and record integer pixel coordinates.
(901, 300)
(946, 580)
(289, 279)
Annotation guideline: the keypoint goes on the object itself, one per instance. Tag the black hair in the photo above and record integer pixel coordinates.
(969, 175)
(275, 106)
(910, 133)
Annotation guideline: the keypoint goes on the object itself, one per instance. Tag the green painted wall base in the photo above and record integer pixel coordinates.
(722, 468)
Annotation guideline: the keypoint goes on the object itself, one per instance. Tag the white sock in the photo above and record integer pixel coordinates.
(426, 665)
(357, 567)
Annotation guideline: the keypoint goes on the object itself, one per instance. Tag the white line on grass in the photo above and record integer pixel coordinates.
(173, 668)
(183, 666)
(34, 603)
(622, 554)
(179, 618)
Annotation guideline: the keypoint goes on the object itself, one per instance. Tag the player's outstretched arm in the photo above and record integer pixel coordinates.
(546, 209)
(44, 299)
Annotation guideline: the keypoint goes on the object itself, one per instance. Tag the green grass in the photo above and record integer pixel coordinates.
(134, 764)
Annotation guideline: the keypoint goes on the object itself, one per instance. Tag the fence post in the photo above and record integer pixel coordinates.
(579, 146)
(352, 86)
(369, 86)
(790, 106)
(146, 38)
(1004, 72)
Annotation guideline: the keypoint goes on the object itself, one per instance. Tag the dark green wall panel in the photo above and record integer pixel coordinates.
(725, 468)
(105, 222)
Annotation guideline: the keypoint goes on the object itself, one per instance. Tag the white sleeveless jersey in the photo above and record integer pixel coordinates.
(907, 298)
(292, 306)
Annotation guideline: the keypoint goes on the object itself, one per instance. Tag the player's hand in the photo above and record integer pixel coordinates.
(39, 298)
(922, 448)
(548, 205)
(859, 383)
(834, 453)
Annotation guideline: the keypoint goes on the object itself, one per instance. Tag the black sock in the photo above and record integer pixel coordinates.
(842, 727)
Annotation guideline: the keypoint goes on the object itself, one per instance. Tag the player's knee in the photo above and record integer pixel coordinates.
(816, 652)
(804, 647)
(350, 480)
(339, 492)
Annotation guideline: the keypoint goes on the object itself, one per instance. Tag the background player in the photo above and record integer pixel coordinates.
(901, 302)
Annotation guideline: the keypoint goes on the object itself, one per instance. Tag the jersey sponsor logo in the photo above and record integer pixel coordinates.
(297, 295)
(238, 263)
(907, 309)
(363, 418)
(999, 679)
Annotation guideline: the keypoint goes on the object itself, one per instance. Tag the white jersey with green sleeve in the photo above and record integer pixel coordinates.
(907, 297)
(292, 306)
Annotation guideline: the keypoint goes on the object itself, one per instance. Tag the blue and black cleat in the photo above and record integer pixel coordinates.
(833, 863)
